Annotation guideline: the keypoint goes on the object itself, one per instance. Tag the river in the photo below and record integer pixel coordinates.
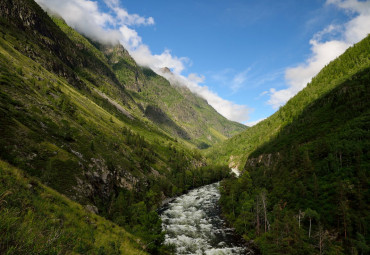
(193, 224)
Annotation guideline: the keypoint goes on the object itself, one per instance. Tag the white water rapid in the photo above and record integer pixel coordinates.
(193, 224)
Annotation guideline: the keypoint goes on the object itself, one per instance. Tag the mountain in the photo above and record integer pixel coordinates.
(91, 144)
(236, 150)
(71, 120)
(172, 107)
(305, 182)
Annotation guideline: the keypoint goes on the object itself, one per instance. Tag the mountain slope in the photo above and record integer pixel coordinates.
(307, 188)
(236, 150)
(68, 121)
(35, 219)
(85, 120)
(172, 107)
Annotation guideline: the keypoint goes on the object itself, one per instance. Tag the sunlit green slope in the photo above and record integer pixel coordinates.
(172, 108)
(68, 121)
(35, 219)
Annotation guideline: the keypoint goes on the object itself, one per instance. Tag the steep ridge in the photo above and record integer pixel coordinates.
(172, 107)
(236, 150)
(306, 189)
(68, 121)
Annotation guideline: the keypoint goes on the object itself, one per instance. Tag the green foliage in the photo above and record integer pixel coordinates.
(37, 220)
(240, 146)
(68, 121)
(318, 161)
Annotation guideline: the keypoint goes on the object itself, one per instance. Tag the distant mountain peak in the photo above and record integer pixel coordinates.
(166, 70)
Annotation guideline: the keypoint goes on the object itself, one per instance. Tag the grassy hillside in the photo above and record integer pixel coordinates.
(68, 121)
(238, 148)
(35, 219)
(174, 109)
(306, 190)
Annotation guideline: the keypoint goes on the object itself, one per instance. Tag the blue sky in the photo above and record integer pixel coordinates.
(246, 58)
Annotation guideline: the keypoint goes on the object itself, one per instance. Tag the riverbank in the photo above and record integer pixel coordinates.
(194, 225)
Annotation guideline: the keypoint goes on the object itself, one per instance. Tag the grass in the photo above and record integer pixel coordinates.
(35, 219)
(60, 131)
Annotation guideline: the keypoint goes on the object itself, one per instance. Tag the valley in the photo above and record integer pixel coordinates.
(92, 144)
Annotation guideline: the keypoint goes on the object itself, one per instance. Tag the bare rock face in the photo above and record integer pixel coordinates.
(100, 180)
(115, 52)
(166, 70)
(30, 18)
(266, 160)
(92, 209)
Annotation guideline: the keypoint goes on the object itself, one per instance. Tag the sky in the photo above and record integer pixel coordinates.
(247, 58)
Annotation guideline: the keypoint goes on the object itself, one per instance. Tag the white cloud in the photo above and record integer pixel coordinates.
(263, 93)
(193, 77)
(252, 123)
(352, 5)
(124, 18)
(298, 77)
(85, 17)
(358, 28)
(239, 80)
(325, 51)
(144, 57)
(129, 37)
(232, 79)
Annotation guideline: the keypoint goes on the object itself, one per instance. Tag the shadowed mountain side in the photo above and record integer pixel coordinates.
(307, 187)
(326, 116)
(236, 150)
(162, 120)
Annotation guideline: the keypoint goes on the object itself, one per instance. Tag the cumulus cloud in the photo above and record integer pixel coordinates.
(298, 77)
(117, 26)
(124, 18)
(84, 16)
(323, 51)
(144, 57)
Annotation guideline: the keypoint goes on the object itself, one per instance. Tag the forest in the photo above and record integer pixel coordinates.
(306, 190)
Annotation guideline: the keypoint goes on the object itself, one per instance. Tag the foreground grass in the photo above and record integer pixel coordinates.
(35, 219)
